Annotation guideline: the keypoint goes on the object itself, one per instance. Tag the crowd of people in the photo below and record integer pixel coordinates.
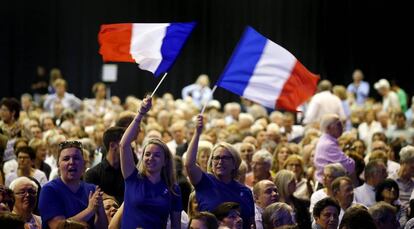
(345, 161)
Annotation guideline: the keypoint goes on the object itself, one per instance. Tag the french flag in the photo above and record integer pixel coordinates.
(154, 46)
(264, 72)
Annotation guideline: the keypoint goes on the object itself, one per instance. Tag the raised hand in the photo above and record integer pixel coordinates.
(95, 199)
(145, 105)
(199, 124)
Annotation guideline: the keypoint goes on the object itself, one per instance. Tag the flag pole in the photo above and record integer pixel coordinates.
(165, 74)
(211, 96)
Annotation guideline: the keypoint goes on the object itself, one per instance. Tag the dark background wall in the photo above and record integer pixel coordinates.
(331, 38)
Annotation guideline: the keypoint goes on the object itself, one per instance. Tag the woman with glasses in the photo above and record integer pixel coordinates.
(25, 159)
(68, 197)
(389, 192)
(25, 194)
(218, 185)
(151, 192)
(304, 186)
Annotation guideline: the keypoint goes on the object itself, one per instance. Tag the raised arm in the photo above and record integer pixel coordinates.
(127, 159)
(193, 170)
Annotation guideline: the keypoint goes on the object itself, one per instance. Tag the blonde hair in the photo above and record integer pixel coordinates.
(234, 153)
(168, 170)
(279, 147)
(295, 157)
(282, 180)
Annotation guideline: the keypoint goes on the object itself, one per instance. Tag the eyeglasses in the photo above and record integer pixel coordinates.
(70, 144)
(224, 158)
(29, 191)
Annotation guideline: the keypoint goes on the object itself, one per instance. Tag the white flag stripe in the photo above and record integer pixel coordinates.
(263, 86)
(146, 41)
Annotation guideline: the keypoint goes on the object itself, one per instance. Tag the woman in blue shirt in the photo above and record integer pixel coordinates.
(219, 184)
(151, 193)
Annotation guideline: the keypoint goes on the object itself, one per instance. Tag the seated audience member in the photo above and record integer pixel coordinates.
(357, 217)
(330, 173)
(279, 215)
(204, 220)
(67, 100)
(219, 184)
(388, 191)
(304, 186)
(261, 165)
(375, 173)
(203, 154)
(265, 193)
(228, 215)
(327, 149)
(281, 153)
(286, 184)
(67, 197)
(111, 206)
(25, 193)
(25, 159)
(39, 146)
(6, 199)
(404, 176)
(343, 192)
(326, 214)
(246, 153)
(384, 215)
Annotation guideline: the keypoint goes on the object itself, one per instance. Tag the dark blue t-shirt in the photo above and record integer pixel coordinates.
(57, 199)
(211, 192)
(148, 205)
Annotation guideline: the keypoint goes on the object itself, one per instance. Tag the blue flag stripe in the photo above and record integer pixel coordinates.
(243, 62)
(175, 38)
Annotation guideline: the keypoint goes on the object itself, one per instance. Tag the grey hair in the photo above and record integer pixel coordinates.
(19, 180)
(407, 154)
(277, 215)
(265, 155)
(337, 169)
(327, 120)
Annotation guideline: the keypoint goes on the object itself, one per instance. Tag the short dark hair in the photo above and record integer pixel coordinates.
(336, 184)
(387, 183)
(209, 219)
(223, 210)
(322, 204)
(26, 149)
(13, 105)
(113, 134)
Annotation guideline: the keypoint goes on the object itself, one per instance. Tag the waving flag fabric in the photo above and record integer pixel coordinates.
(154, 46)
(266, 73)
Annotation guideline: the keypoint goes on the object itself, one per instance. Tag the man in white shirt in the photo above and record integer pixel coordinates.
(323, 103)
(390, 102)
(265, 193)
(375, 173)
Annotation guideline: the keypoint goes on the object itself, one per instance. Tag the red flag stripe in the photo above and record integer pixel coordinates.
(300, 86)
(115, 42)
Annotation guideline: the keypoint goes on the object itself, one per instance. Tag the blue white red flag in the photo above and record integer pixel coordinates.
(154, 46)
(264, 72)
